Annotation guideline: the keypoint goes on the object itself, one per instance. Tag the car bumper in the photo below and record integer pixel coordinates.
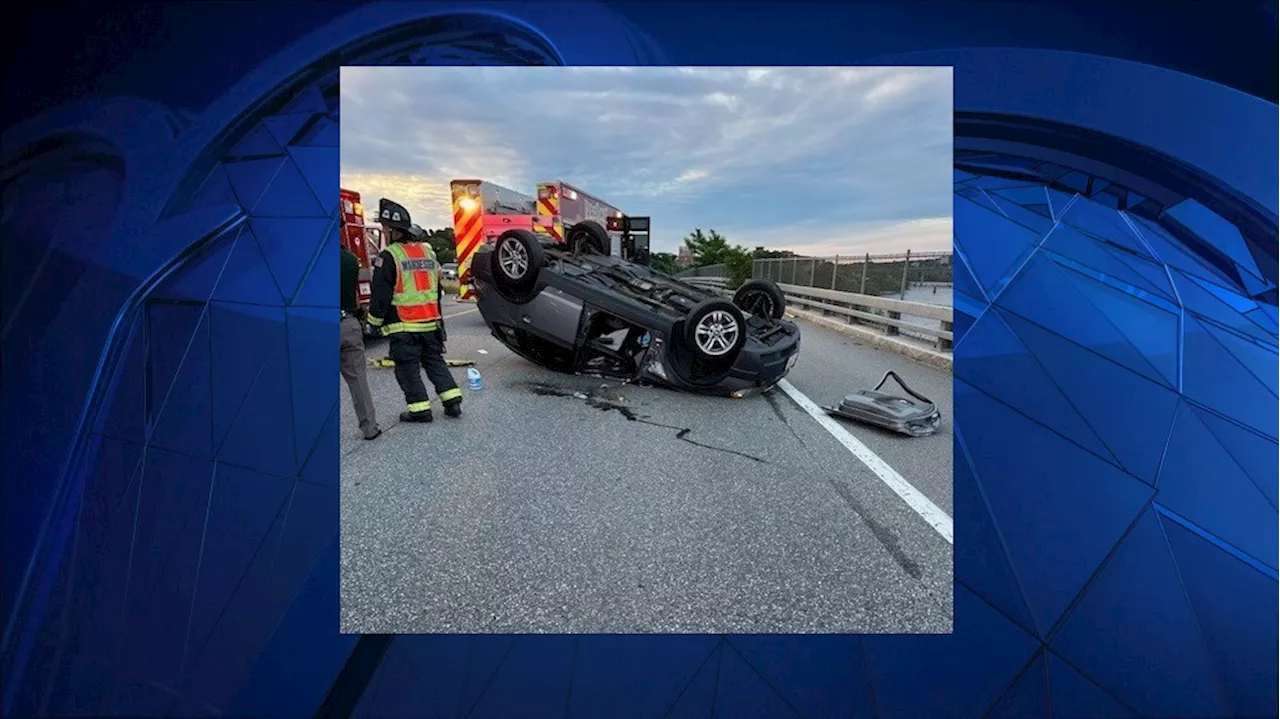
(757, 369)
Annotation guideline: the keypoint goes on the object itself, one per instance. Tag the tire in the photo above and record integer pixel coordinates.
(588, 238)
(516, 259)
(714, 332)
(762, 298)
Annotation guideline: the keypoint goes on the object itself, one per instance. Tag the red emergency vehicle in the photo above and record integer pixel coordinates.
(565, 206)
(484, 210)
(355, 239)
(365, 240)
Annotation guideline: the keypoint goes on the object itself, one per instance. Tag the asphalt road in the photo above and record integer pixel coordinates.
(546, 509)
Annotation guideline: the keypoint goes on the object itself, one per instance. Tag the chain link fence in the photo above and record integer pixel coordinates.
(912, 276)
(898, 275)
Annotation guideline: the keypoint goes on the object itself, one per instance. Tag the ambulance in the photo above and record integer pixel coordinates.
(484, 210)
(564, 206)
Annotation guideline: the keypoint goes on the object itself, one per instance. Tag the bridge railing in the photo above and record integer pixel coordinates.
(906, 294)
(893, 317)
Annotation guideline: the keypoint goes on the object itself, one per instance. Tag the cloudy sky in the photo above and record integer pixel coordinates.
(814, 160)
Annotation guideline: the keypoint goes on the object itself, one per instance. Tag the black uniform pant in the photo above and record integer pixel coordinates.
(416, 351)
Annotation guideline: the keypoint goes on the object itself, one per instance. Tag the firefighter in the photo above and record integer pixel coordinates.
(406, 308)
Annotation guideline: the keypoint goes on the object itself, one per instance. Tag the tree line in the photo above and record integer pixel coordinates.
(442, 242)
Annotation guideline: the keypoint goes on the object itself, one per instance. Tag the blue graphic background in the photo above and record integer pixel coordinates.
(170, 448)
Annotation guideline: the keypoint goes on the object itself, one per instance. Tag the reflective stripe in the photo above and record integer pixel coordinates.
(449, 394)
(419, 406)
(464, 271)
(549, 206)
(468, 224)
(417, 292)
(375, 321)
(395, 327)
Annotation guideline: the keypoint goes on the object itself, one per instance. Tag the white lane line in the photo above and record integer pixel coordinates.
(459, 314)
(919, 503)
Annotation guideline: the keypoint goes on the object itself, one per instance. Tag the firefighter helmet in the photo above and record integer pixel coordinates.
(393, 214)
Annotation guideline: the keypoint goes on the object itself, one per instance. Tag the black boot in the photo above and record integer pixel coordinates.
(453, 408)
(423, 416)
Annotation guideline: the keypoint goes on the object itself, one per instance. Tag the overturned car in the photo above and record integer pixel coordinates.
(587, 313)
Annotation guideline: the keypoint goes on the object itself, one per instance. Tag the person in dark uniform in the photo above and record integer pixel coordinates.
(353, 364)
(406, 307)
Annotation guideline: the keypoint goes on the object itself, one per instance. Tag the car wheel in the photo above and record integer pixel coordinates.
(588, 238)
(715, 331)
(517, 259)
(762, 298)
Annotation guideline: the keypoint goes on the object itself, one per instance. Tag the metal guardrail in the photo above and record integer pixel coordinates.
(893, 317)
(704, 271)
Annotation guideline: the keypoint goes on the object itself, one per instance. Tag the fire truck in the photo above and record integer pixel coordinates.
(363, 239)
(484, 210)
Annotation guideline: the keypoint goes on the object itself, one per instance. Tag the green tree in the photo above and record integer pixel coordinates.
(709, 248)
(713, 248)
(664, 262)
(738, 262)
(442, 242)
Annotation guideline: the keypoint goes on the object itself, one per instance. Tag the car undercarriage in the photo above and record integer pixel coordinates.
(605, 316)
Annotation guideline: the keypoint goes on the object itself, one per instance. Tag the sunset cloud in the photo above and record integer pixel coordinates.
(815, 160)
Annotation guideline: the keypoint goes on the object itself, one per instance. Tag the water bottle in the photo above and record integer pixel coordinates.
(474, 381)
